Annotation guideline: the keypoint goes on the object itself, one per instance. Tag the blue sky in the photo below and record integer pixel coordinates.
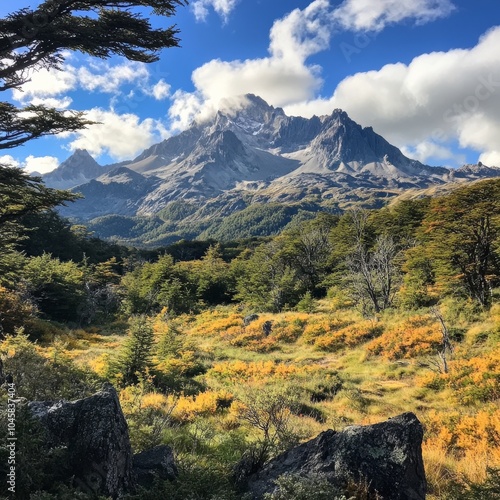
(424, 73)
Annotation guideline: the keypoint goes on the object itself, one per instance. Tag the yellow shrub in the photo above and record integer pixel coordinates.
(206, 403)
(155, 400)
(291, 327)
(239, 371)
(100, 364)
(469, 443)
(320, 325)
(215, 322)
(349, 336)
(417, 336)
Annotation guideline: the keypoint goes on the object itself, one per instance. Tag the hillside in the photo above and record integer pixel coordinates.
(231, 354)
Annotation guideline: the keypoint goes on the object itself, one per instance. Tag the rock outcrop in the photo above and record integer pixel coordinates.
(156, 462)
(94, 434)
(386, 456)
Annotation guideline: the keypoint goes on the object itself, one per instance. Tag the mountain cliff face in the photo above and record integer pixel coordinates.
(78, 169)
(251, 152)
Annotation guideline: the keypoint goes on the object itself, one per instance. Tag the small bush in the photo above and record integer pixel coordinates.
(296, 487)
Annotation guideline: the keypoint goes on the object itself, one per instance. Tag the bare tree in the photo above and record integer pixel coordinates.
(446, 346)
(373, 276)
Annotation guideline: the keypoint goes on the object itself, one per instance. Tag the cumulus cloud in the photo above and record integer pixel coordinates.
(105, 77)
(53, 102)
(222, 7)
(160, 90)
(50, 87)
(375, 15)
(281, 78)
(438, 97)
(284, 77)
(39, 164)
(121, 136)
(47, 83)
(428, 149)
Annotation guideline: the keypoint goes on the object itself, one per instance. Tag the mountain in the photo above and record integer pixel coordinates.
(250, 153)
(119, 191)
(478, 171)
(78, 169)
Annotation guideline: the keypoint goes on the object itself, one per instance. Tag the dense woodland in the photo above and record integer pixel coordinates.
(357, 317)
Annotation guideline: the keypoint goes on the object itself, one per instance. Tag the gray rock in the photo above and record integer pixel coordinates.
(248, 319)
(267, 328)
(156, 462)
(388, 456)
(94, 433)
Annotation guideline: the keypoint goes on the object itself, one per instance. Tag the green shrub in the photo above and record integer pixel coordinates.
(312, 487)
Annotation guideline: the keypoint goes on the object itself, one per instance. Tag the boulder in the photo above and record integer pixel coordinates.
(248, 319)
(386, 456)
(94, 434)
(267, 328)
(156, 462)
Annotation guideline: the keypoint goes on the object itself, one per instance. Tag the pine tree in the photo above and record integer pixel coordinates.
(136, 356)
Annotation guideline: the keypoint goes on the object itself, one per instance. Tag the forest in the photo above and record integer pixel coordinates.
(243, 349)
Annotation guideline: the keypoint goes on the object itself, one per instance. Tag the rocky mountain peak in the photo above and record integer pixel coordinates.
(79, 168)
(249, 114)
(250, 150)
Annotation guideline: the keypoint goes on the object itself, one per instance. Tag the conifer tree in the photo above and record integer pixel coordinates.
(136, 357)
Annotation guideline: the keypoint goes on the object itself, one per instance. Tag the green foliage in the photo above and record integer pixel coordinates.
(153, 286)
(312, 487)
(401, 220)
(37, 464)
(489, 490)
(135, 360)
(197, 480)
(417, 280)
(269, 411)
(15, 311)
(57, 287)
(306, 303)
(257, 220)
(50, 233)
(268, 282)
(177, 211)
(215, 282)
(21, 196)
(39, 378)
(461, 233)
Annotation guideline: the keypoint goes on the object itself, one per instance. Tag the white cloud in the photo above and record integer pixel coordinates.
(285, 77)
(9, 160)
(161, 90)
(430, 150)
(491, 158)
(375, 15)
(222, 7)
(47, 83)
(50, 87)
(121, 136)
(108, 78)
(40, 164)
(440, 96)
(281, 78)
(52, 102)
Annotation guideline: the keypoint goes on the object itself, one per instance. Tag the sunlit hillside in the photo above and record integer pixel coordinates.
(244, 350)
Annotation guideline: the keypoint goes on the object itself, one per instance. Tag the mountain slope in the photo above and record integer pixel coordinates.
(250, 152)
(78, 169)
